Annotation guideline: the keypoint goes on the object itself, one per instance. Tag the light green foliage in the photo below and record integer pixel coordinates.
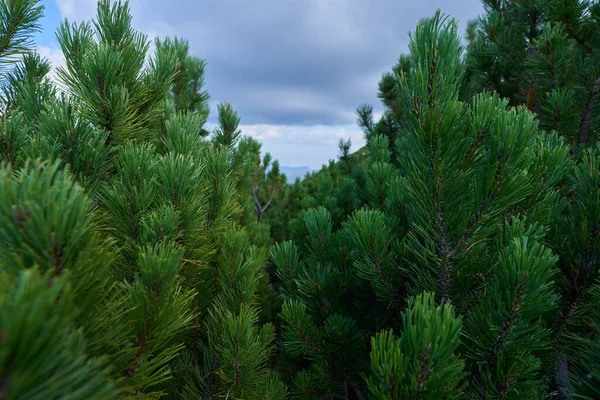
(19, 19)
(37, 328)
(49, 249)
(154, 276)
(26, 87)
(188, 82)
(105, 74)
(421, 363)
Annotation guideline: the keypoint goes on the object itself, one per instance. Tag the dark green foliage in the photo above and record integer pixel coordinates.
(506, 332)
(545, 55)
(455, 256)
(575, 239)
(462, 210)
(320, 330)
(340, 187)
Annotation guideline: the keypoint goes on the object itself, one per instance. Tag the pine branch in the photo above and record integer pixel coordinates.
(19, 19)
(211, 379)
(443, 251)
(575, 36)
(357, 392)
(260, 209)
(587, 116)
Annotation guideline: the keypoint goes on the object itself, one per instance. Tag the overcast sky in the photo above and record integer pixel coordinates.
(295, 70)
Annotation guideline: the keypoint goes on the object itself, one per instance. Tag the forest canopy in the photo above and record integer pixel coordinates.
(146, 254)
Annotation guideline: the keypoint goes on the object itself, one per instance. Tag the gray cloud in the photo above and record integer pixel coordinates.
(290, 62)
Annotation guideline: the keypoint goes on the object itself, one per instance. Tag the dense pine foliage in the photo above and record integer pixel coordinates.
(455, 256)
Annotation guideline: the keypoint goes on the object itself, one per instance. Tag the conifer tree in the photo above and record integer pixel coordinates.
(60, 308)
(545, 55)
(542, 54)
(19, 19)
(456, 256)
(188, 82)
(461, 211)
(395, 112)
(575, 239)
(339, 186)
(266, 179)
(159, 282)
(26, 85)
(251, 180)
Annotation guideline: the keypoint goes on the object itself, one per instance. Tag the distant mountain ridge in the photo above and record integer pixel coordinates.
(294, 172)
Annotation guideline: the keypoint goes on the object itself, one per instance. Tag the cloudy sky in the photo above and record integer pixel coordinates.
(295, 70)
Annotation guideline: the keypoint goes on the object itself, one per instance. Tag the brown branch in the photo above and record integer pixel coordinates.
(586, 120)
(211, 379)
(493, 351)
(575, 36)
(260, 209)
(443, 251)
(358, 392)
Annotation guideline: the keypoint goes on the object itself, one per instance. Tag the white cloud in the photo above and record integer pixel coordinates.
(310, 145)
(55, 56)
(77, 10)
(262, 132)
(324, 135)
(315, 135)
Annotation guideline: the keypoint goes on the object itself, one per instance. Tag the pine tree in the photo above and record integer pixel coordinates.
(395, 112)
(321, 337)
(575, 239)
(19, 19)
(542, 54)
(339, 186)
(188, 82)
(462, 211)
(266, 179)
(60, 305)
(456, 256)
(156, 281)
(545, 55)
